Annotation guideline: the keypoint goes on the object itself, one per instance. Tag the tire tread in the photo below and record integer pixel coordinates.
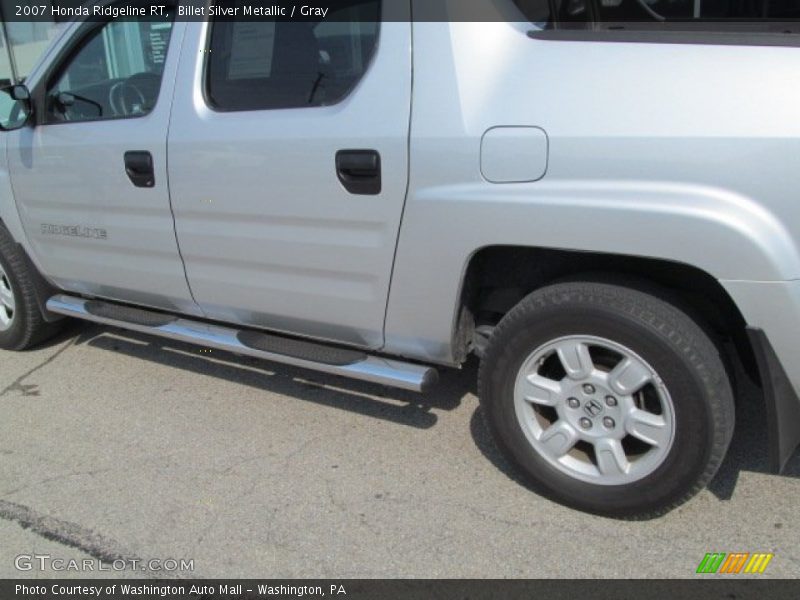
(33, 329)
(663, 319)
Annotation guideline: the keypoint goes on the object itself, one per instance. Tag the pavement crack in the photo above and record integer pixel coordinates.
(32, 389)
(91, 473)
(64, 532)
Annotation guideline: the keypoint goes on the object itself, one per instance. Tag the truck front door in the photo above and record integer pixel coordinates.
(90, 178)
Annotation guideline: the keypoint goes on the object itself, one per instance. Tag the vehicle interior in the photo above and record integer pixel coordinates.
(115, 72)
(290, 64)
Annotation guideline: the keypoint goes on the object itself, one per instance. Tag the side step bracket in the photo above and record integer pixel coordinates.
(300, 353)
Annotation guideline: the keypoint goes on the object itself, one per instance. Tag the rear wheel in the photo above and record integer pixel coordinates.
(607, 399)
(21, 322)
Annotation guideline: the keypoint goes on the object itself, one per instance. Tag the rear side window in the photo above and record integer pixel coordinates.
(272, 64)
(696, 15)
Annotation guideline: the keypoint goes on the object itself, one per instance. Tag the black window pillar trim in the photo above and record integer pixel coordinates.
(667, 34)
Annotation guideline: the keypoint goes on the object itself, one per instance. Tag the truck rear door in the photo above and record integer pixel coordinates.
(288, 160)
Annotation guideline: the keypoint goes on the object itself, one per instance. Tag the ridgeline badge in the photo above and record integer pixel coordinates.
(75, 231)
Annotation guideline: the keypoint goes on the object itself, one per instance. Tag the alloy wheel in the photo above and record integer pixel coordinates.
(595, 410)
(7, 302)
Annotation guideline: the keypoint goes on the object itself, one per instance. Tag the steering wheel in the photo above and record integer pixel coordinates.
(135, 95)
(126, 99)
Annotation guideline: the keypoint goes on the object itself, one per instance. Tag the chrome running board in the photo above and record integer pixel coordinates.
(290, 351)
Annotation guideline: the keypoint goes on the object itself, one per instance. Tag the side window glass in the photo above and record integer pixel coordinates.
(257, 65)
(115, 72)
(27, 40)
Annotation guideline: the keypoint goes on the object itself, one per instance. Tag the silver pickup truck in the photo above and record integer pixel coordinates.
(606, 215)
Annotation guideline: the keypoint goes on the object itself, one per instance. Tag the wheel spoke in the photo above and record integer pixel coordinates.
(6, 296)
(559, 438)
(575, 359)
(651, 429)
(541, 390)
(611, 459)
(609, 422)
(629, 376)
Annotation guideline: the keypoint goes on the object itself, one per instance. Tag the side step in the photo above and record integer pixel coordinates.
(296, 352)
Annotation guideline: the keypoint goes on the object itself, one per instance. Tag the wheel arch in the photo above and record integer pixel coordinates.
(497, 278)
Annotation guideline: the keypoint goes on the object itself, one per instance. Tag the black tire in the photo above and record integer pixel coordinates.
(682, 355)
(28, 327)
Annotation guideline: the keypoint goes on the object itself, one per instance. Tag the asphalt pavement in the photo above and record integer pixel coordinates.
(119, 446)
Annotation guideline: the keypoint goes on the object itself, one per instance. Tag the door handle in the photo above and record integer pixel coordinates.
(139, 168)
(359, 171)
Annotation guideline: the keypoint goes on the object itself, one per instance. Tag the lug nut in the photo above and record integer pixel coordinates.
(586, 423)
(588, 389)
(611, 401)
(573, 403)
(609, 423)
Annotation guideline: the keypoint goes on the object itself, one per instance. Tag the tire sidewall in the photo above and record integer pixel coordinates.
(680, 368)
(11, 336)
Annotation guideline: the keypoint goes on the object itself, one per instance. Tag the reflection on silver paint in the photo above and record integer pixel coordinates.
(680, 152)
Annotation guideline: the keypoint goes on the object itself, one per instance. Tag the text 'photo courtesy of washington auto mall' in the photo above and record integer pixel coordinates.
(422, 298)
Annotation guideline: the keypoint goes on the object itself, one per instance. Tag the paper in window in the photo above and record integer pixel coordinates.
(251, 50)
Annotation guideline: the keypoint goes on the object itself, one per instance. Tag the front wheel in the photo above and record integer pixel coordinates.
(21, 323)
(607, 399)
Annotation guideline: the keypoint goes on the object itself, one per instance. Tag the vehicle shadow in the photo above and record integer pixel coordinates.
(70, 329)
(748, 450)
(364, 398)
